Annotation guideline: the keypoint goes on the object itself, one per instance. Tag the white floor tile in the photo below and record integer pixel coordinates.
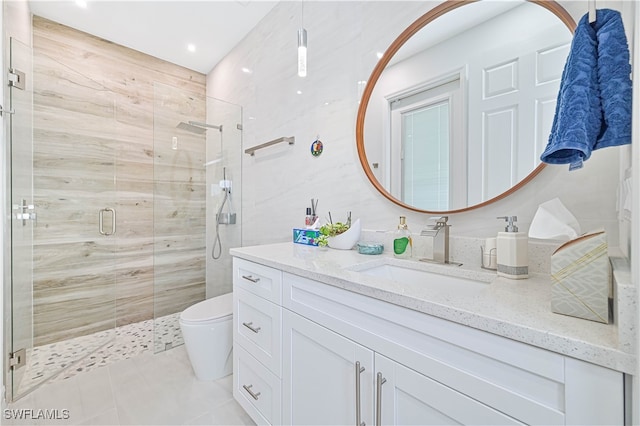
(61, 395)
(106, 418)
(96, 393)
(205, 419)
(145, 390)
(230, 413)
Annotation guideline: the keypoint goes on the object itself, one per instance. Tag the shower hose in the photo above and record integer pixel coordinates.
(217, 244)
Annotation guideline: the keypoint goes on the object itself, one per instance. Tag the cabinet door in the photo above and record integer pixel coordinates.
(406, 397)
(319, 375)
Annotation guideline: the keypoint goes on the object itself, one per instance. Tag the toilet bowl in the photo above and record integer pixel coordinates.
(208, 335)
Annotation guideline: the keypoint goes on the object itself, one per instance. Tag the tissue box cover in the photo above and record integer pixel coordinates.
(581, 278)
(307, 237)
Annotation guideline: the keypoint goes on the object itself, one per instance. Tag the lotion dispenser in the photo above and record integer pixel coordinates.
(512, 251)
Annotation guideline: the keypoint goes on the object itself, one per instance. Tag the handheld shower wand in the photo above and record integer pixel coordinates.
(228, 218)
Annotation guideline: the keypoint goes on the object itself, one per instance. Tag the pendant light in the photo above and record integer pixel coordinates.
(302, 46)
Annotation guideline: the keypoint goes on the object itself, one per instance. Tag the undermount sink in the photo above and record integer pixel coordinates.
(413, 272)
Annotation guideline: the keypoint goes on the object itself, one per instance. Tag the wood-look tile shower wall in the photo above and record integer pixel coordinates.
(97, 108)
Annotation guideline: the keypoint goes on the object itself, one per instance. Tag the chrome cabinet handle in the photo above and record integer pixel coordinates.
(248, 389)
(249, 325)
(379, 382)
(359, 371)
(250, 278)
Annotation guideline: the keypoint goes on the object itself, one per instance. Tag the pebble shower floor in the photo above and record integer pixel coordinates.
(104, 348)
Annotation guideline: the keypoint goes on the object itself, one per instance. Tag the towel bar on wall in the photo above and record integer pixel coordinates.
(252, 151)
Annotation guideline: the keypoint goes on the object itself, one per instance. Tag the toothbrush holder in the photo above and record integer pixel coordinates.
(488, 259)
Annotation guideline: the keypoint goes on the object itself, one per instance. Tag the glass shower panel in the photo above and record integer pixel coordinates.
(73, 292)
(224, 162)
(178, 209)
(197, 144)
(21, 148)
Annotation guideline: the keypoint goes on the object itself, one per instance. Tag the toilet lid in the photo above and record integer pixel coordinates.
(216, 307)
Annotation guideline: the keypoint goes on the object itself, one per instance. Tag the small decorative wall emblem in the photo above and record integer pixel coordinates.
(316, 148)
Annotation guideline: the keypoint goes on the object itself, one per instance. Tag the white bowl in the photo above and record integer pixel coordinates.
(347, 239)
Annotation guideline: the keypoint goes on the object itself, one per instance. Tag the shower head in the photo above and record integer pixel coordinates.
(210, 126)
(191, 128)
(197, 127)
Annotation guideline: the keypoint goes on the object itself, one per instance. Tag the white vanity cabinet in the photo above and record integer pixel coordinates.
(331, 380)
(347, 357)
(257, 345)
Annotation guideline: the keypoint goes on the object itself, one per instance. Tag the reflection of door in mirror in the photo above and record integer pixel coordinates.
(512, 96)
(425, 134)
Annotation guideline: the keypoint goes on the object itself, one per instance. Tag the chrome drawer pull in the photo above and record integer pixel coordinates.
(250, 278)
(253, 395)
(249, 326)
(359, 371)
(379, 382)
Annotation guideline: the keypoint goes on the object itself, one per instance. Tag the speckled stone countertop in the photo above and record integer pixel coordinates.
(516, 309)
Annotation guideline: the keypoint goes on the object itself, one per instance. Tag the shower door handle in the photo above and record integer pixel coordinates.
(101, 221)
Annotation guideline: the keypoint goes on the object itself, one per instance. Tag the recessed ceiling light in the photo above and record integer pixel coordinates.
(299, 92)
(246, 70)
(81, 3)
(191, 47)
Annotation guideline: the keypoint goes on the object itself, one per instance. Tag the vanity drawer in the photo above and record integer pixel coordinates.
(257, 327)
(262, 280)
(255, 388)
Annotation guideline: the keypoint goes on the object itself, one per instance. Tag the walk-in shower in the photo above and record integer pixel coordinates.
(81, 295)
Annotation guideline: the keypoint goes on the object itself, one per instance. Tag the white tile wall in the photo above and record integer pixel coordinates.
(343, 38)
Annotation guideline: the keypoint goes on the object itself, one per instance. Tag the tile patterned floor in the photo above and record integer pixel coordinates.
(62, 360)
(147, 389)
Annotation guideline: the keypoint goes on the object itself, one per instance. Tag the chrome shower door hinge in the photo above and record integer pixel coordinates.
(17, 359)
(16, 79)
(239, 126)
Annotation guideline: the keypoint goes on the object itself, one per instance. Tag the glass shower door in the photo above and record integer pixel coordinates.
(64, 147)
(22, 223)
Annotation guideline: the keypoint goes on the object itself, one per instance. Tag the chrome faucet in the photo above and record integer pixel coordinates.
(438, 232)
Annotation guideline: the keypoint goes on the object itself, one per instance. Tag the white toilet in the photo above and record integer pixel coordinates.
(208, 336)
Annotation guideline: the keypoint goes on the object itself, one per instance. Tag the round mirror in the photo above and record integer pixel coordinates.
(458, 110)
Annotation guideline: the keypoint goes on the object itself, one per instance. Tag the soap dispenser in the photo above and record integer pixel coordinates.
(512, 251)
(402, 244)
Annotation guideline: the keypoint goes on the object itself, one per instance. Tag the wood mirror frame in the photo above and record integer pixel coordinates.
(416, 26)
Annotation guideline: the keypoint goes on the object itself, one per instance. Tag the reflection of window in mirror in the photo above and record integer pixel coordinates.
(426, 170)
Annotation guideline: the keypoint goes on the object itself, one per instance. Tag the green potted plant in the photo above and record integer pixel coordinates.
(339, 235)
(330, 230)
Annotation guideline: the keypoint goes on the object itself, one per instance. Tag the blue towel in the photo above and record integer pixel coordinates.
(594, 102)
